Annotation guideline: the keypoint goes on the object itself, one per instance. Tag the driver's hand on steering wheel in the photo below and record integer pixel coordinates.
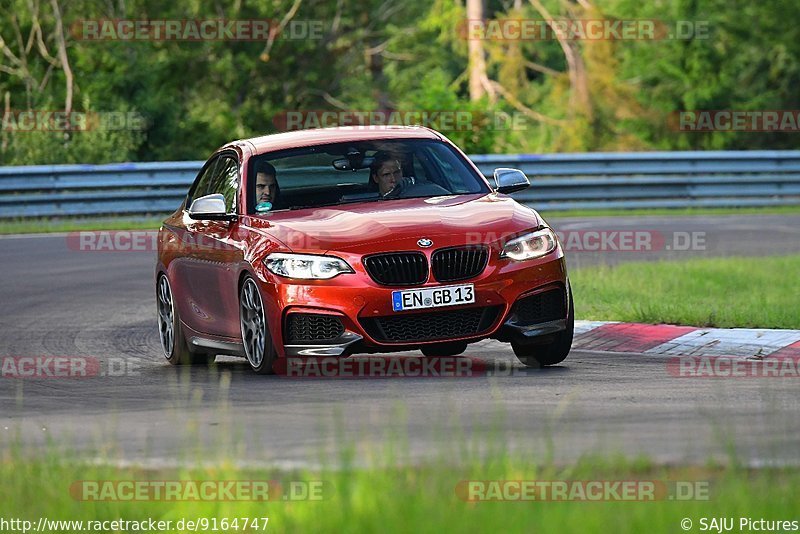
(399, 187)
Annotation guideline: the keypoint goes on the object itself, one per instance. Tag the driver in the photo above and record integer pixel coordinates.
(386, 172)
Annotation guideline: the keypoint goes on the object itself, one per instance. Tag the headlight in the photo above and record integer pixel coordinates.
(530, 246)
(306, 266)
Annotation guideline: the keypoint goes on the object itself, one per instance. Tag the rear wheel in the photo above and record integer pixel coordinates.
(452, 348)
(258, 346)
(173, 341)
(533, 355)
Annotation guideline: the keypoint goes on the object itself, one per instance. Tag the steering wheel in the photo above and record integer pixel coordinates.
(401, 186)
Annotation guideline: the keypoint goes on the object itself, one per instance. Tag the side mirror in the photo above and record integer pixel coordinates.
(510, 180)
(210, 207)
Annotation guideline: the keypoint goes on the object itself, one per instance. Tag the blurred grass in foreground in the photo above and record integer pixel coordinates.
(408, 499)
(719, 292)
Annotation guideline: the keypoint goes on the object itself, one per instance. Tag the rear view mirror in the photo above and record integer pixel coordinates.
(510, 180)
(350, 164)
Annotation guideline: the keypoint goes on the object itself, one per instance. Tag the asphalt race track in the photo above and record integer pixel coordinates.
(62, 302)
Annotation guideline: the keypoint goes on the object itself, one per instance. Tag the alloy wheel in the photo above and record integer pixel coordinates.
(166, 316)
(254, 326)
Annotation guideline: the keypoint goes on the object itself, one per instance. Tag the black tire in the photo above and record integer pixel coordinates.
(258, 346)
(173, 340)
(451, 348)
(532, 355)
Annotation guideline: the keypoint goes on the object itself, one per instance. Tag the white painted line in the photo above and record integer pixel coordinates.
(728, 342)
(28, 236)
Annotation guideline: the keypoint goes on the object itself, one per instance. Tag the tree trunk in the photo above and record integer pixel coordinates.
(477, 63)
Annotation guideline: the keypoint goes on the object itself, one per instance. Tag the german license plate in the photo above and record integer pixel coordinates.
(432, 297)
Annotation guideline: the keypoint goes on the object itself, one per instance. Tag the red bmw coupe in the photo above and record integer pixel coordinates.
(340, 241)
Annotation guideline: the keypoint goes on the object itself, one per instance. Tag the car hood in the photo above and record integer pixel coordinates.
(377, 226)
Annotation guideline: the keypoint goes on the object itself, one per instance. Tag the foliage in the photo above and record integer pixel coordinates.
(407, 55)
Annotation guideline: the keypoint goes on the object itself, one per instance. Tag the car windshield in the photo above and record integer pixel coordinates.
(374, 171)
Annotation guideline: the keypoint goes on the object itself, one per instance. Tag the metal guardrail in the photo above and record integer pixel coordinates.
(655, 179)
(559, 181)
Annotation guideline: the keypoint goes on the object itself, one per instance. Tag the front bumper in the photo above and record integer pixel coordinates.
(336, 347)
(359, 304)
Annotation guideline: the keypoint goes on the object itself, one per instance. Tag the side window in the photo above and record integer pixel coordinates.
(221, 176)
(226, 182)
(201, 183)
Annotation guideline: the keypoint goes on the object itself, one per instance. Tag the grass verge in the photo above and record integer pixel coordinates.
(408, 499)
(45, 226)
(717, 292)
(770, 210)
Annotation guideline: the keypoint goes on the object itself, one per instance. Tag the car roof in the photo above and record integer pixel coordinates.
(342, 134)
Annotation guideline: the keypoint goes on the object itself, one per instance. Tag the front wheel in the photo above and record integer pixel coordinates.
(173, 341)
(258, 346)
(556, 351)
